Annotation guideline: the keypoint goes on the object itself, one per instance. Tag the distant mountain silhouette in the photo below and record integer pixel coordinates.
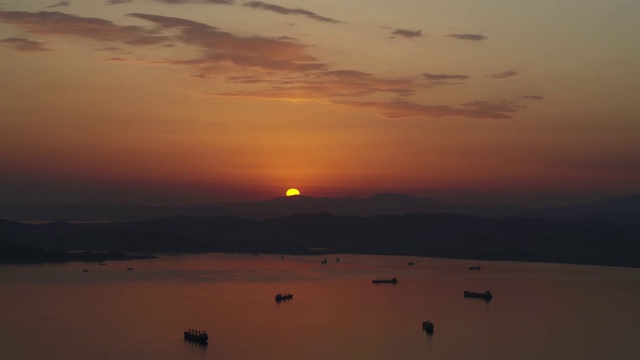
(619, 210)
(13, 253)
(419, 234)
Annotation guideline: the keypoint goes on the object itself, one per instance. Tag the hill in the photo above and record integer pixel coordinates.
(419, 234)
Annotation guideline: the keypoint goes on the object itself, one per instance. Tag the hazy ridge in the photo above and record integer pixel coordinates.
(619, 210)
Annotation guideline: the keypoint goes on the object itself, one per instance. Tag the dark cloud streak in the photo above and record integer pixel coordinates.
(504, 75)
(59, 4)
(407, 33)
(397, 109)
(24, 45)
(118, 2)
(441, 77)
(287, 11)
(469, 37)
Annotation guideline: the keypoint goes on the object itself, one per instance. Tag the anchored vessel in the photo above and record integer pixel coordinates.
(385, 281)
(477, 267)
(427, 326)
(485, 295)
(196, 336)
(282, 297)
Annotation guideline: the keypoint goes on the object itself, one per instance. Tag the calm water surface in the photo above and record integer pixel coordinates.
(539, 311)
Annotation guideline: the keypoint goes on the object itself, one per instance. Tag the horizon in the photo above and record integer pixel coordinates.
(181, 102)
(579, 200)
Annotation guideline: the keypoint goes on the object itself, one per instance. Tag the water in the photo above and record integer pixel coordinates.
(539, 311)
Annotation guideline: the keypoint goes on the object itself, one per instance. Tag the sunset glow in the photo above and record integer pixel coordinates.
(157, 101)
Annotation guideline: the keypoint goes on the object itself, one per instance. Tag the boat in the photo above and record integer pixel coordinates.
(129, 269)
(85, 270)
(196, 336)
(477, 267)
(485, 295)
(283, 297)
(323, 261)
(337, 259)
(427, 326)
(410, 263)
(102, 263)
(385, 281)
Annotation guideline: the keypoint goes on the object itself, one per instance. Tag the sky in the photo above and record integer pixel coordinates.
(197, 101)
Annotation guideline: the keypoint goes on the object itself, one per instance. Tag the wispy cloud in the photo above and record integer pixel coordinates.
(275, 68)
(407, 33)
(504, 75)
(324, 85)
(288, 11)
(59, 4)
(444, 77)
(57, 23)
(533, 97)
(218, 46)
(469, 37)
(24, 45)
(118, 2)
(397, 109)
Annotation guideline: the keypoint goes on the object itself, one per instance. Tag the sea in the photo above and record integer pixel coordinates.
(538, 311)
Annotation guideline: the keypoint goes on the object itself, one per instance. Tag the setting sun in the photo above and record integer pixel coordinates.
(293, 192)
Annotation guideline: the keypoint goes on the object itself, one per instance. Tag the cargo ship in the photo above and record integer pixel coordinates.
(385, 281)
(485, 295)
(196, 336)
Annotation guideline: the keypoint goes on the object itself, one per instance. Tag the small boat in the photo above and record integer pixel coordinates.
(196, 336)
(85, 270)
(337, 259)
(385, 281)
(485, 295)
(323, 261)
(427, 326)
(477, 267)
(410, 263)
(129, 269)
(283, 297)
(102, 263)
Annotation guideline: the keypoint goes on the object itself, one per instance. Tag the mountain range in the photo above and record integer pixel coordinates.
(618, 210)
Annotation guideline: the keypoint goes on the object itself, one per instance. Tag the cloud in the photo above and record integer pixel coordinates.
(504, 75)
(441, 77)
(407, 33)
(533, 97)
(397, 109)
(324, 85)
(24, 45)
(117, 2)
(218, 46)
(60, 4)
(288, 11)
(57, 23)
(470, 37)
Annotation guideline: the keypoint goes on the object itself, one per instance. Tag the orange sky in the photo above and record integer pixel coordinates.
(192, 101)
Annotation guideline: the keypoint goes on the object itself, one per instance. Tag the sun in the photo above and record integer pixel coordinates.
(293, 192)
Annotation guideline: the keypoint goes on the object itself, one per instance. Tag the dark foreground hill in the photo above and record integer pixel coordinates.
(419, 234)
